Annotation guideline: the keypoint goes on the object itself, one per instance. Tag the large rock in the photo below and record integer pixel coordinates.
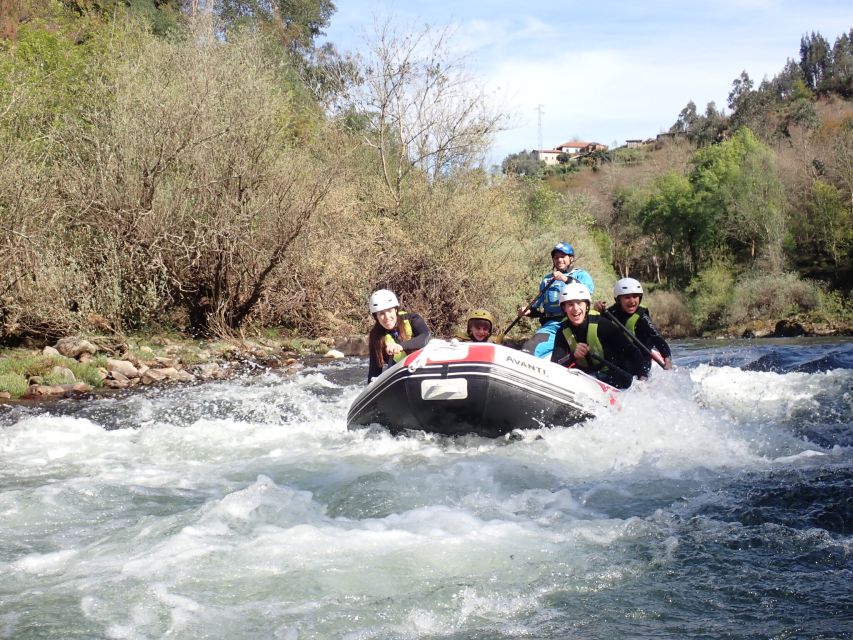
(153, 375)
(118, 376)
(72, 347)
(788, 329)
(184, 376)
(208, 371)
(124, 367)
(40, 391)
(356, 346)
(35, 391)
(76, 387)
(64, 374)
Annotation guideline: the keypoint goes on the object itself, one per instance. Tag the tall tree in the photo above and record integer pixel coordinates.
(686, 121)
(427, 113)
(678, 228)
(736, 186)
(524, 164)
(814, 59)
(840, 73)
(297, 23)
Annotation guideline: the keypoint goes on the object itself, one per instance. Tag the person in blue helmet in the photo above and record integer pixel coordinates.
(546, 306)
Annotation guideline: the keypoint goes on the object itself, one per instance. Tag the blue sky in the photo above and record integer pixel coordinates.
(606, 71)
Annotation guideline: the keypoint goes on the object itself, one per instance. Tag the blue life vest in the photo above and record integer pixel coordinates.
(549, 295)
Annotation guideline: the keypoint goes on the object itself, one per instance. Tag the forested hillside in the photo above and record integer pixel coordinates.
(165, 167)
(747, 212)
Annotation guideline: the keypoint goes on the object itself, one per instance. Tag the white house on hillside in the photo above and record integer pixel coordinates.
(572, 148)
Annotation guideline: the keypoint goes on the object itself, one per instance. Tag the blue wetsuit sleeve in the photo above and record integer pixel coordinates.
(584, 278)
(561, 349)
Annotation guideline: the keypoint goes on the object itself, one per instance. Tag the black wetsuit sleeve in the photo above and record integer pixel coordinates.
(561, 348)
(649, 336)
(619, 349)
(420, 334)
(373, 370)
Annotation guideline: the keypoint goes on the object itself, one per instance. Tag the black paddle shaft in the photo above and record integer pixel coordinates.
(633, 338)
(517, 318)
(595, 358)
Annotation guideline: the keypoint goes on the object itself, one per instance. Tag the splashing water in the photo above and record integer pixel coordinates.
(714, 503)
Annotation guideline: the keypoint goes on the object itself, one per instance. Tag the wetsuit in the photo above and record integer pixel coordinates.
(643, 328)
(550, 314)
(607, 341)
(420, 337)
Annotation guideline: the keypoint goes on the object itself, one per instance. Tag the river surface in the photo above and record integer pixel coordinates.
(717, 503)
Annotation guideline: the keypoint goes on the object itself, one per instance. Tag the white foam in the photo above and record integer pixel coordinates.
(45, 563)
(247, 503)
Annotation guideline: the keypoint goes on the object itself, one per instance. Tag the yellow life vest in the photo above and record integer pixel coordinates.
(595, 346)
(631, 322)
(389, 339)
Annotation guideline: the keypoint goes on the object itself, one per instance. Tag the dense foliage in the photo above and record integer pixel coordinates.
(764, 193)
(162, 166)
(190, 177)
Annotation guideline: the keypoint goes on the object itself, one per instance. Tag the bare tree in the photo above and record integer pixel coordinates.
(426, 112)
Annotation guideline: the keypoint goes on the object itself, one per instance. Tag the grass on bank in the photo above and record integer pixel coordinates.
(20, 368)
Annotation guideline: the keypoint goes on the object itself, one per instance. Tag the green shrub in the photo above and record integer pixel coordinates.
(710, 293)
(88, 372)
(670, 313)
(26, 366)
(770, 297)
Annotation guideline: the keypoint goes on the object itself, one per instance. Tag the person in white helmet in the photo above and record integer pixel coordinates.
(395, 333)
(628, 294)
(595, 344)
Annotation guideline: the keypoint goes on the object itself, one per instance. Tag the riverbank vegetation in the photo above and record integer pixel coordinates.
(167, 169)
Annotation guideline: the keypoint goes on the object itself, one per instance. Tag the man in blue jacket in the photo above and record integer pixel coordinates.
(546, 307)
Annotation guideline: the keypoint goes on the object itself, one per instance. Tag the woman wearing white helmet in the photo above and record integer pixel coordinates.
(593, 343)
(395, 333)
(628, 294)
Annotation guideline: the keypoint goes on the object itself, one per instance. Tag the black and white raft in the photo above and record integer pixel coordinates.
(454, 388)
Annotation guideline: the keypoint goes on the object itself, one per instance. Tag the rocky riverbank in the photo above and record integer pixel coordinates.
(77, 366)
(83, 366)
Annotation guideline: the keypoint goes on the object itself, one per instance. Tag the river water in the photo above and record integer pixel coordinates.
(717, 503)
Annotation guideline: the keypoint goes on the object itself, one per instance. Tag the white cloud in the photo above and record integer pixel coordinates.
(610, 70)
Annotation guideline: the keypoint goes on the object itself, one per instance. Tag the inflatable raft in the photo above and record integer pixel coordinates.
(455, 388)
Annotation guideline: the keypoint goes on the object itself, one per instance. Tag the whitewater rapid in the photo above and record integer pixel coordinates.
(245, 509)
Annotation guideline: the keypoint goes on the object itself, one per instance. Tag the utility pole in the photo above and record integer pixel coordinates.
(540, 108)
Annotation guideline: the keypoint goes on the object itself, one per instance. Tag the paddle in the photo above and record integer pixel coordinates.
(517, 318)
(634, 338)
(602, 361)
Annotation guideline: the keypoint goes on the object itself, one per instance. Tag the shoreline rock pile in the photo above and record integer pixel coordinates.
(126, 368)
